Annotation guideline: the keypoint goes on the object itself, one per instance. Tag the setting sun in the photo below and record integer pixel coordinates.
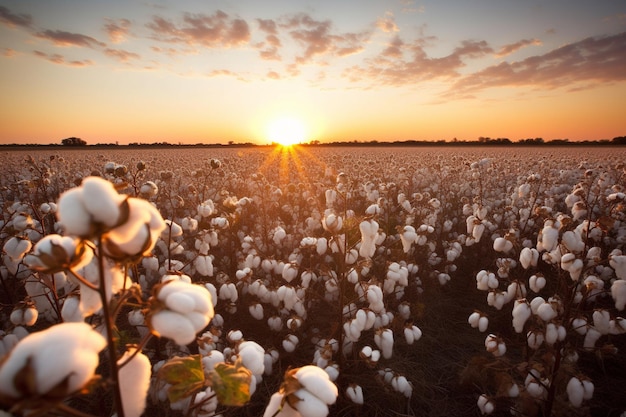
(286, 131)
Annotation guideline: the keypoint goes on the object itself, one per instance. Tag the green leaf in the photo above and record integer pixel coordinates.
(184, 374)
(231, 383)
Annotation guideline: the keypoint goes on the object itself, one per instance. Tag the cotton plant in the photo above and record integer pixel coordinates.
(569, 308)
(105, 234)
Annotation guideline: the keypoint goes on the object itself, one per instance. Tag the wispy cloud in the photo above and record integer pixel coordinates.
(60, 59)
(514, 47)
(9, 52)
(121, 55)
(14, 20)
(212, 31)
(591, 61)
(117, 30)
(66, 39)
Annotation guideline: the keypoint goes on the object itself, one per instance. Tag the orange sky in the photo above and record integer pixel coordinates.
(192, 71)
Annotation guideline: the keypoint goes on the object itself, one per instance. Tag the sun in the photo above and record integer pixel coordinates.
(286, 131)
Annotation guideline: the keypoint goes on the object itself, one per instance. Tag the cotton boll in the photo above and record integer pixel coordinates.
(521, 313)
(618, 292)
(252, 357)
(575, 392)
(290, 342)
(591, 337)
(134, 378)
(601, 319)
(485, 405)
(537, 282)
(74, 347)
(101, 200)
(535, 339)
(71, 311)
(579, 325)
(354, 393)
(546, 312)
(502, 245)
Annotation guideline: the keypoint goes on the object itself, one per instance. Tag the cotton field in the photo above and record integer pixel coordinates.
(313, 281)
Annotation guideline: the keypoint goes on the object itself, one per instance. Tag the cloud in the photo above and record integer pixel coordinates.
(391, 67)
(60, 60)
(273, 75)
(317, 38)
(387, 23)
(66, 39)
(514, 47)
(590, 61)
(121, 55)
(9, 52)
(12, 20)
(117, 31)
(216, 30)
(268, 50)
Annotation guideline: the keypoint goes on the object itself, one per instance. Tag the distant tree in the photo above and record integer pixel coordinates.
(619, 140)
(73, 141)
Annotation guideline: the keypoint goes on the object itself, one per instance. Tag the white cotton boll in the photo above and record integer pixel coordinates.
(386, 343)
(573, 241)
(535, 339)
(174, 326)
(618, 263)
(134, 379)
(552, 334)
(252, 357)
(537, 282)
(513, 391)
(354, 393)
(204, 265)
(256, 311)
(276, 408)
(211, 359)
(16, 248)
(136, 318)
(477, 232)
(485, 405)
(521, 313)
(72, 214)
(101, 200)
(474, 318)
(591, 337)
(575, 392)
(529, 257)
(71, 311)
(290, 342)
(579, 325)
(290, 271)
(601, 320)
(75, 348)
(549, 237)
(618, 292)
(535, 389)
(575, 269)
(546, 312)
(535, 303)
(501, 244)
(316, 381)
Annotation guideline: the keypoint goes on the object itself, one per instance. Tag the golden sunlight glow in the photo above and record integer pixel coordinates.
(286, 131)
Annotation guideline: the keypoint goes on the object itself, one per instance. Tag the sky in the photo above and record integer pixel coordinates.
(200, 71)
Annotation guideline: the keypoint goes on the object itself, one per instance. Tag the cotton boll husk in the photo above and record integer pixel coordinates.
(74, 347)
(134, 382)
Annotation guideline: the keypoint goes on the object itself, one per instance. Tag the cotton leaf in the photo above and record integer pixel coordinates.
(184, 374)
(231, 383)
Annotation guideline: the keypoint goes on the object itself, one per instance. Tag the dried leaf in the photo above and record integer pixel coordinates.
(231, 383)
(184, 374)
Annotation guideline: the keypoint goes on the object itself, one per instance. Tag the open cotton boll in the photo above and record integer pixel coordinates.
(134, 379)
(74, 347)
(618, 292)
(521, 313)
(54, 253)
(73, 215)
(503, 245)
(252, 357)
(369, 232)
(354, 393)
(275, 407)
(102, 200)
(575, 392)
(16, 248)
(316, 381)
(138, 234)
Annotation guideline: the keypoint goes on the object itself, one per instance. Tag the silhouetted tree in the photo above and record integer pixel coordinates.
(73, 141)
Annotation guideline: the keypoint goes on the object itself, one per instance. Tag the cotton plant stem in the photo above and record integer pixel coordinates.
(111, 345)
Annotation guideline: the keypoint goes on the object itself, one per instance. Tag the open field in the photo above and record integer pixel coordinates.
(440, 282)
